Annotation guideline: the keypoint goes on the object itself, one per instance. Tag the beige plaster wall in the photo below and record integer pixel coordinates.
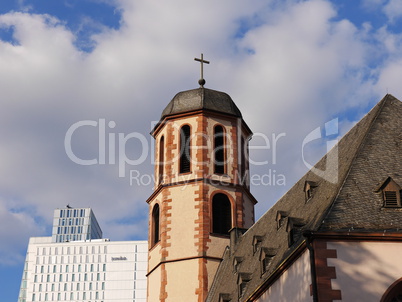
(217, 246)
(154, 283)
(293, 285)
(365, 270)
(248, 212)
(182, 226)
(177, 272)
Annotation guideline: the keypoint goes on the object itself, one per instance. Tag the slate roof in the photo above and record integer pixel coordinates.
(201, 98)
(345, 198)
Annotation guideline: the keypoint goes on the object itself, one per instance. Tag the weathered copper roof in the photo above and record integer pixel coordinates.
(201, 99)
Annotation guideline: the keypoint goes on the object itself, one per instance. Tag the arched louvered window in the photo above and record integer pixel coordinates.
(155, 225)
(185, 152)
(161, 158)
(219, 150)
(221, 214)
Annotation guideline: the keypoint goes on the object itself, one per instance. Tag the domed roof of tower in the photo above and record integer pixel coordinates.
(201, 99)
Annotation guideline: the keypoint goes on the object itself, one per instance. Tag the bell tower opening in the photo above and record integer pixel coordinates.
(155, 225)
(219, 150)
(221, 214)
(185, 155)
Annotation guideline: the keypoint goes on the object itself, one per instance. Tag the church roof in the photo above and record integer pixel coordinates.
(201, 99)
(346, 198)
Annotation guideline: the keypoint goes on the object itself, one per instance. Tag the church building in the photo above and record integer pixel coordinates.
(336, 236)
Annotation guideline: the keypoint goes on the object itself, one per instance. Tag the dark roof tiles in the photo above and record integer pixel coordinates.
(345, 198)
(201, 99)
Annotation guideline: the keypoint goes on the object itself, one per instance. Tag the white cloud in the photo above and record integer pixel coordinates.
(17, 227)
(372, 4)
(393, 10)
(290, 70)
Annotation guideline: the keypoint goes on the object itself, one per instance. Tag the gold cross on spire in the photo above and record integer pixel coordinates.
(201, 81)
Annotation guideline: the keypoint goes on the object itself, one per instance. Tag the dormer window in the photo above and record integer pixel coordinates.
(225, 298)
(309, 187)
(295, 234)
(392, 199)
(242, 282)
(281, 218)
(266, 256)
(391, 194)
(257, 242)
(236, 263)
(295, 230)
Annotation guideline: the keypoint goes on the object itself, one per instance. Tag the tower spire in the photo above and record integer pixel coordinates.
(201, 81)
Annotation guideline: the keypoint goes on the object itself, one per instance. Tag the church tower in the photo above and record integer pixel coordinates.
(201, 192)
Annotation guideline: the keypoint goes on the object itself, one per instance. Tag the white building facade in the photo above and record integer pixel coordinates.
(97, 270)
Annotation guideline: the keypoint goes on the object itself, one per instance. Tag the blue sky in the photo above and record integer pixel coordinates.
(290, 66)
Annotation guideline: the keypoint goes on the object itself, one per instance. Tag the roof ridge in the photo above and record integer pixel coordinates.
(376, 110)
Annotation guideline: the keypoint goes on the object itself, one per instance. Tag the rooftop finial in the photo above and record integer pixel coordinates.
(201, 81)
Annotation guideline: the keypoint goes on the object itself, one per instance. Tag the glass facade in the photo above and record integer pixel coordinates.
(75, 224)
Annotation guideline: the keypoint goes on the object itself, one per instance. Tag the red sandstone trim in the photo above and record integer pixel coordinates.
(170, 146)
(163, 293)
(165, 222)
(240, 215)
(201, 238)
(206, 180)
(202, 154)
(325, 273)
(202, 290)
(235, 165)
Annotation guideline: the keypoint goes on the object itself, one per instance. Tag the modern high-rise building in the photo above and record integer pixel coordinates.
(65, 268)
(71, 224)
